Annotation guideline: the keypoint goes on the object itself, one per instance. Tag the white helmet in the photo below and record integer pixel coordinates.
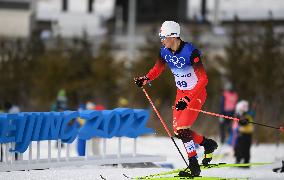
(90, 105)
(242, 107)
(170, 29)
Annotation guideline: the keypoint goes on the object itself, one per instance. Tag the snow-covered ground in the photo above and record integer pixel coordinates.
(163, 146)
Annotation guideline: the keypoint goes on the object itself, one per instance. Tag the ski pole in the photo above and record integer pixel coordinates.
(235, 119)
(163, 123)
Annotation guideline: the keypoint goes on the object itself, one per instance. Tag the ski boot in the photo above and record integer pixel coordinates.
(280, 169)
(193, 167)
(209, 147)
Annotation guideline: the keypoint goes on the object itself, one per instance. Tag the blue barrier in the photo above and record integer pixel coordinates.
(81, 147)
(22, 128)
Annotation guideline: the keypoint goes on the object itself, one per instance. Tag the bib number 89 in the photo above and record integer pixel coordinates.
(181, 83)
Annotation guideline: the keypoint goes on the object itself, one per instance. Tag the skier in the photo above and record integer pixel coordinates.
(185, 63)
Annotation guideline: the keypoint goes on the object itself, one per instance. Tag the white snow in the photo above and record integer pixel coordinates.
(164, 146)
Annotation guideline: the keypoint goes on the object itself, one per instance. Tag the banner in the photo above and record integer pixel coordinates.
(22, 128)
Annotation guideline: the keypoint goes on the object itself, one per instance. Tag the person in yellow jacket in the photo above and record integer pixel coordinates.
(245, 131)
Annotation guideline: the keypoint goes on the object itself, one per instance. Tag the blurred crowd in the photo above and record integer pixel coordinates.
(237, 134)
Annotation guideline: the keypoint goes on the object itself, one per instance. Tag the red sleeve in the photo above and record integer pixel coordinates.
(156, 70)
(201, 75)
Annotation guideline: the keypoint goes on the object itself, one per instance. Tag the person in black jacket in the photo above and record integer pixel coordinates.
(244, 133)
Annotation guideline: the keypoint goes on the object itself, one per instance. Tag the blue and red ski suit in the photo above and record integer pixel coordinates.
(191, 80)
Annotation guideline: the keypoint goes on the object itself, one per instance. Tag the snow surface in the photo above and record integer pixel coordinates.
(163, 146)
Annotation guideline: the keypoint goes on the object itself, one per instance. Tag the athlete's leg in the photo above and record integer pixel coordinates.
(184, 119)
(184, 135)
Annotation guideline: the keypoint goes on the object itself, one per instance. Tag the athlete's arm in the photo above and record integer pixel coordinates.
(200, 73)
(157, 69)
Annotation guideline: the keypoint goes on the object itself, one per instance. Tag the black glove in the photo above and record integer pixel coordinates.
(243, 122)
(182, 103)
(141, 81)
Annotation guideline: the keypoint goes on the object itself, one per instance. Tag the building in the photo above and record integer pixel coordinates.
(70, 18)
(67, 18)
(151, 11)
(16, 17)
(192, 13)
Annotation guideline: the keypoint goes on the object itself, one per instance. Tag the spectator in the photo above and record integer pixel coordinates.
(122, 102)
(9, 108)
(60, 105)
(61, 100)
(244, 133)
(228, 103)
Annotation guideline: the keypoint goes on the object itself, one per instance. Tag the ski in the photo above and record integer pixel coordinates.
(179, 178)
(218, 165)
(196, 178)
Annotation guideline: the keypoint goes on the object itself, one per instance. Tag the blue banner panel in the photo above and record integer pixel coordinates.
(22, 128)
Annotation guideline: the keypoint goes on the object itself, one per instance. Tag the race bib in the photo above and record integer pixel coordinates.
(190, 147)
(185, 79)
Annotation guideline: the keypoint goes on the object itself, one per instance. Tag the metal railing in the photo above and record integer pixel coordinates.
(36, 157)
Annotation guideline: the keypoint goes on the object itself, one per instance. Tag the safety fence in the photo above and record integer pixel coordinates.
(27, 139)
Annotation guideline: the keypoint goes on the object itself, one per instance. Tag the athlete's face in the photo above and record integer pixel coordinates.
(167, 42)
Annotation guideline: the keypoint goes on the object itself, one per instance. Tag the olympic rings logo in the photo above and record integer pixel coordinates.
(178, 62)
